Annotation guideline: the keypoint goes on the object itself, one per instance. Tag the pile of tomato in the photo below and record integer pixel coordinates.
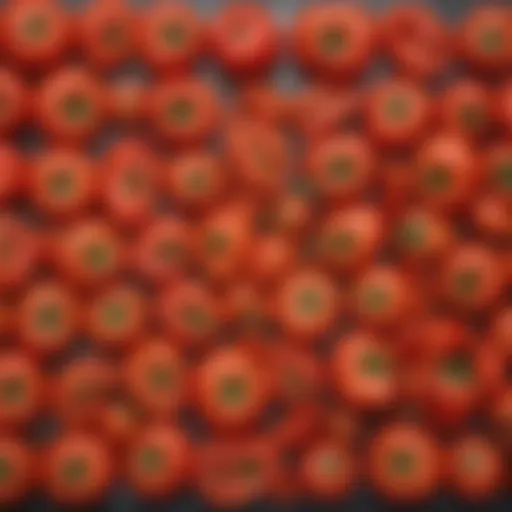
(250, 292)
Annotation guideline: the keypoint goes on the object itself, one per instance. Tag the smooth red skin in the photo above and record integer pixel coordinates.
(499, 154)
(501, 331)
(243, 39)
(503, 106)
(78, 166)
(51, 93)
(156, 54)
(273, 259)
(17, 101)
(20, 483)
(349, 18)
(492, 216)
(37, 56)
(500, 415)
(175, 446)
(121, 421)
(300, 425)
(479, 486)
(125, 101)
(397, 182)
(388, 132)
(92, 24)
(100, 469)
(157, 403)
(416, 41)
(13, 168)
(404, 491)
(322, 486)
(261, 101)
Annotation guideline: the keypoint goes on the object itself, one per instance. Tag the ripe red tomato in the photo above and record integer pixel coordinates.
(264, 103)
(76, 470)
(273, 258)
(498, 170)
(20, 390)
(15, 101)
(70, 105)
(501, 331)
(503, 106)
(13, 170)
(335, 41)
(243, 38)
(492, 216)
(121, 420)
(397, 113)
(415, 41)
(404, 463)
(125, 101)
(500, 415)
(170, 37)
(62, 183)
(17, 476)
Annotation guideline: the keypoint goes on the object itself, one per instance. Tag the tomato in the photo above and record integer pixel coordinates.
(327, 470)
(120, 422)
(501, 417)
(70, 105)
(62, 183)
(492, 216)
(14, 98)
(88, 253)
(349, 238)
(501, 331)
(106, 31)
(158, 461)
(299, 425)
(37, 32)
(195, 180)
(265, 103)
(475, 468)
(231, 388)
(130, 172)
(473, 277)
(154, 375)
(170, 37)
(364, 372)
(307, 305)
(397, 183)
(446, 173)
(404, 463)
(466, 109)
(13, 168)
(19, 252)
(498, 170)
(416, 41)
(243, 39)
(125, 101)
(183, 111)
(341, 425)
(503, 106)
(48, 318)
(76, 470)
(20, 390)
(273, 258)
(161, 252)
(16, 468)
(117, 317)
(258, 155)
(341, 166)
(335, 41)
(485, 38)
(397, 113)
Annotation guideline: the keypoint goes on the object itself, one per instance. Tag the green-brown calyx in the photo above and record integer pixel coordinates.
(97, 257)
(412, 235)
(458, 369)
(472, 117)
(180, 112)
(438, 179)
(173, 35)
(217, 243)
(375, 363)
(467, 283)
(160, 376)
(12, 390)
(115, 314)
(233, 391)
(341, 169)
(61, 184)
(402, 462)
(35, 27)
(49, 317)
(504, 176)
(492, 41)
(77, 108)
(341, 243)
(6, 470)
(151, 459)
(332, 41)
(309, 302)
(375, 299)
(169, 252)
(75, 470)
(397, 108)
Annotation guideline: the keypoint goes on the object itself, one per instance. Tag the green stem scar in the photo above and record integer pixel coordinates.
(504, 175)
(35, 27)
(12, 390)
(492, 41)
(169, 252)
(472, 117)
(97, 257)
(341, 168)
(332, 41)
(412, 235)
(375, 363)
(375, 299)
(438, 179)
(402, 462)
(309, 302)
(75, 470)
(173, 34)
(216, 243)
(115, 315)
(61, 184)
(341, 243)
(467, 283)
(458, 369)
(180, 112)
(160, 376)
(233, 391)
(49, 317)
(397, 108)
(77, 108)
(6, 470)
(151, 459)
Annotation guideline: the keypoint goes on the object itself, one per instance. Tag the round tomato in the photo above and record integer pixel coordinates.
(69, 105)
(125, 101)
(404, 463)
(503, 106)
(334, 40)
(243, 38)
(76, 471)
(154, 375)
(158, 461)
(492, 216)
(498, 169)
(397, 184)
(121, 420)
(264, 103)
(16, 477)
(501, 331)
(12, 165)
(14, 99)
(272, 259)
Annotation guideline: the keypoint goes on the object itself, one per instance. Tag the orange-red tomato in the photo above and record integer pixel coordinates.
(17, 476)
(498, 171)
(15, 99)
(125, 101)
(492, 216)
(120, 422)
(503, 106)
(13, 169)
(501, 331)
(500, 415)
(272, 259)
(265, 103)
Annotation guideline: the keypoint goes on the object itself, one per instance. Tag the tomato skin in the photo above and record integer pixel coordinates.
(272, 260)
(170, 37)
(16, 456)
(15, 95)
(503, 106)
(261, 101)
(125, 101)
(500, 415)
(498, 171)
(13, 166)
(492, 216)
(334, 41)
(501, 331)
(120, 423)
(243, 38)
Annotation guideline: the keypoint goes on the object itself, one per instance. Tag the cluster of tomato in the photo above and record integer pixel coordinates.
(266, 295)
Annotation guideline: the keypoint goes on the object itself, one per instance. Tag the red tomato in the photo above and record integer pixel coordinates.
(327, 470)
(125, 101)
(62, 183)
(158, 461)
(397, 113)
(415, 40)
(501, 417)
(341, 425)
(265, 103)
(231, 389)
(106, 32)
(116, 317)
(492, 216)
(15, 101)
(404, 463)
(70, 105)
(76, 470)
(121, 421)
(299, 425)
(48, 318)
(272, 259)
(20, 390)
(397, 185)
(334, 40)
(171, 37)
(16, 465)
(501, 331)
(486, 40)
(155, 377)
(37, 32)
(13, 169)
(130, 172)
(364, 372)
(243, 38)
(498, 169)
(475, 468)
(503, 106)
